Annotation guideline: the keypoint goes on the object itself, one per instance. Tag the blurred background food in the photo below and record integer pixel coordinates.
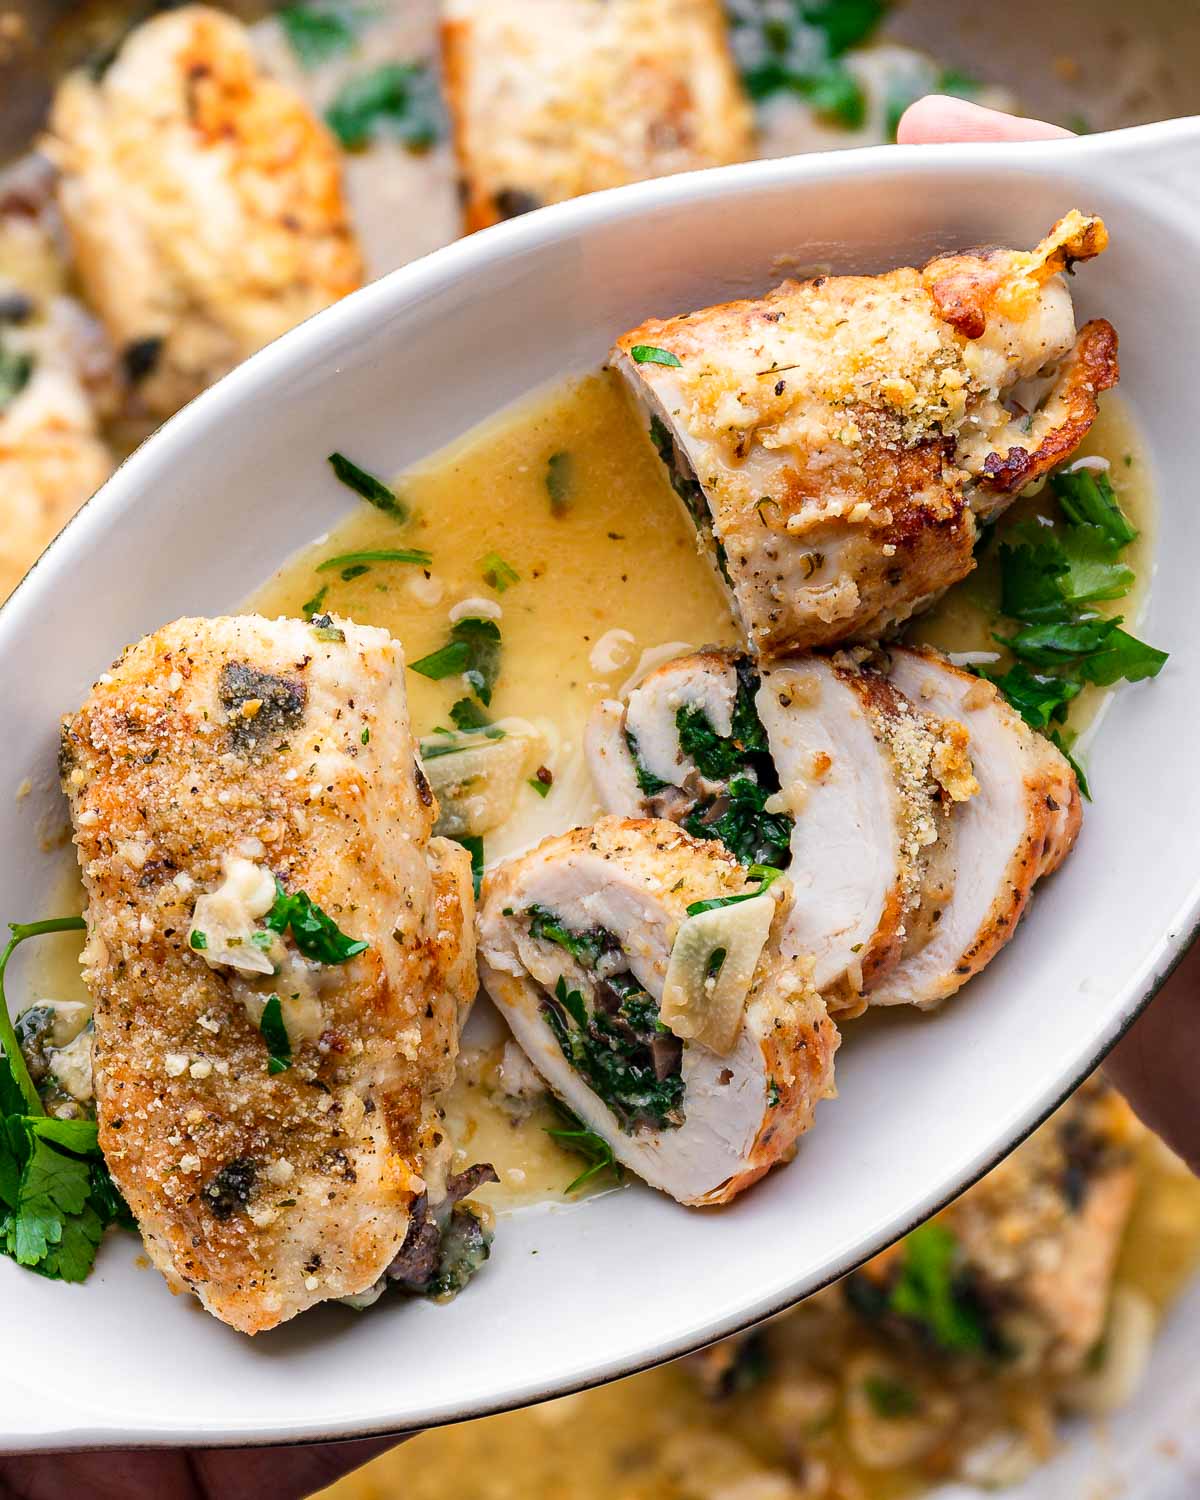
(179, 185)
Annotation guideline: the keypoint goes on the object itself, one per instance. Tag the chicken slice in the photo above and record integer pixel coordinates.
(566, 96)
(219, 769)
(56, 377)
(1020, 826)
(1034, 1245)
(833, 440)
(820, 766)
(203, 201)
(700, 1089)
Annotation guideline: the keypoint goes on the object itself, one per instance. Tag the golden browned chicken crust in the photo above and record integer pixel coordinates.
(203, 201)
(216, 753)
(563, 97)
(834, 439)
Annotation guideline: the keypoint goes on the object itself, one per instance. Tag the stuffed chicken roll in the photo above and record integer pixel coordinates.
(639, 968)
(280, 956)
(834, 440)
(817, 765)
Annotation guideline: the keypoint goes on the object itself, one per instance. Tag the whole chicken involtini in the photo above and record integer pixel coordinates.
(280, 956)
(640, 970)
(203, 201)
(835, 440)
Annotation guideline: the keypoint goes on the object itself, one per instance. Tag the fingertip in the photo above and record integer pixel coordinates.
(939, 118)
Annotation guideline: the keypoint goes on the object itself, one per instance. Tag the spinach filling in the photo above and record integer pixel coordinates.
(736, 815)
(690, 491)
(620, 1048)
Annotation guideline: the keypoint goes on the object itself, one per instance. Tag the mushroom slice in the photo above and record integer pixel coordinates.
(820, 766)
(606, 948)
(830, 439)
(1018, 827)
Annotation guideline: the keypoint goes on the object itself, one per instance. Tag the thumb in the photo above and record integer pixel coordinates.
(938, 118)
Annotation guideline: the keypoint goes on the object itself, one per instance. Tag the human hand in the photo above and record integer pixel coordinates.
(203, 1474)
(1157, 1063)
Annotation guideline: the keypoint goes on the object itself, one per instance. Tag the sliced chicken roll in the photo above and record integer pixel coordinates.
(203, 202)
(1020, 826)
(639, 969)
(821, 766)
(830, 439)
(280, 956)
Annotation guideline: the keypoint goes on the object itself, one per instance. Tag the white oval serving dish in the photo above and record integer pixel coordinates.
(215, 500)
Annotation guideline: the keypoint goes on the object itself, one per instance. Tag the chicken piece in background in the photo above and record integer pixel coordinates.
(564, 97)
(834, 440)
(203, 201)
(281, 960)
(371, 73)
(57, 378)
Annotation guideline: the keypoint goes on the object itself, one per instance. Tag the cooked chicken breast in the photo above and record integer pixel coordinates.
(56, 372)
(819, 766)
(679, 1036)
(562, 97)
(203, 201)
(1035, 1243)
(833, 440)
(1020, 826)
(241, 789)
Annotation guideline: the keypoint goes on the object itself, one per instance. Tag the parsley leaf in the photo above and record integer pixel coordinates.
(414, 555)
(15, 371)
(651, 354)
(1122, 656)
(473, 844)
(372, 490)
(1062, 642)
(313, 606)
(396, 99)
(275, 1034)
(766, 875)
(473, 650)
(317, 30)
(574, 1136)
(797, 49)
(314, 932)
(1063, 742)
(929, 1291)
(1088, 498)
(497, 574)
(560, 479)
(1038, 699)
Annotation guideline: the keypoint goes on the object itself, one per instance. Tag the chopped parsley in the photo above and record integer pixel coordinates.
(796, 49)
(346, 560)
(466, 715)
(372, 490)
(56, 1194)
(314, 932)
(325, 630)
(932, 1292)
(15, 371)
(275, 1034)
(1051, 574)
(560, 480)
(765, 875)
(317, 30)
(314, 606)
(472, 650)
(497, 574)
(773, 1095)
(542, 786)
(473, 844)
(198, 940)
(651, 354)
(397, 100)
(890, 1398)
(574, 1136)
